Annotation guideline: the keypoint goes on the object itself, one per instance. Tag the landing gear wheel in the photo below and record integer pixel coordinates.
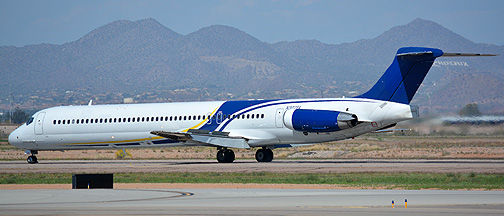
(225, 156)
(32, 159)
(264, 155)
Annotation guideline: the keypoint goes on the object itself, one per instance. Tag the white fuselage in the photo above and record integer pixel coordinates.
(260, 122)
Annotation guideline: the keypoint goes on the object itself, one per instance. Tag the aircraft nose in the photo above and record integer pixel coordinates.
(14, 138)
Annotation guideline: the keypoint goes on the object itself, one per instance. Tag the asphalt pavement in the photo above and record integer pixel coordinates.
(187, 201)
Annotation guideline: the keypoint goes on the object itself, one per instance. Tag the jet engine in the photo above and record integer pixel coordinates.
(307, 120)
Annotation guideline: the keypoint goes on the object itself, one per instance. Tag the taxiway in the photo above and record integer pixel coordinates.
(187, 201)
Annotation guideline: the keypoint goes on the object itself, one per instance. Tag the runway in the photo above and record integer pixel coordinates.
(187, 201)
(278, 166)
(251, 201)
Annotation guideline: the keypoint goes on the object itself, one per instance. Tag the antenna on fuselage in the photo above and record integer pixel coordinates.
(90, 102)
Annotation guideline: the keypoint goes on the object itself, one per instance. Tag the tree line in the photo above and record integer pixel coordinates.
(19, 116)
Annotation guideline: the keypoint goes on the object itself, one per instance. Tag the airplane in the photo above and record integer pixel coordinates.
(245, 124)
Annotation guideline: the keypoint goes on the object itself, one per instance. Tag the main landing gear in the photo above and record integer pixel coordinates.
(225, 155)
(264, 155)
(32, 159)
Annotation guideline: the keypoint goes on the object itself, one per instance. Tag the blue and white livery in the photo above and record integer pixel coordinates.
(263, 124)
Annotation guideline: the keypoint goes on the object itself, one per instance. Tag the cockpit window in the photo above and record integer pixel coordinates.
(29, 121)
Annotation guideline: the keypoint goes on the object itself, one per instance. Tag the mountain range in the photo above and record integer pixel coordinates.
(149, 62)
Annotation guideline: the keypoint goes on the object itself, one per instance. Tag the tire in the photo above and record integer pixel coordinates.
(230, 156)
(31, 160)
(221, 156)
(225, 156)
(260, 155)
(269, 155)
(264, 155)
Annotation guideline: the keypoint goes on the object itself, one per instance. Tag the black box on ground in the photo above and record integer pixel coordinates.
(82, 181)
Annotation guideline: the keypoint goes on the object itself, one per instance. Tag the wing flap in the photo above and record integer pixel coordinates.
(181, 137)
(215, 138)
(222, 141)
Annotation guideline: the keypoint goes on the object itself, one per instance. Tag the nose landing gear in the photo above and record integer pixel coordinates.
(32, 159)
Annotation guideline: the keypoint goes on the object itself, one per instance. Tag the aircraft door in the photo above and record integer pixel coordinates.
(39, 123)
(279, 118)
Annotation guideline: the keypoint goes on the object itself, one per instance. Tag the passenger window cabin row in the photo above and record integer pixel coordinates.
(153, 119)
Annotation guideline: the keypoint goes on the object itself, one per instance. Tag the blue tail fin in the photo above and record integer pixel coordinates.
(402, 79)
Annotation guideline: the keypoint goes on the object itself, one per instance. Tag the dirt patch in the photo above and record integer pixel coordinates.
(251, 166)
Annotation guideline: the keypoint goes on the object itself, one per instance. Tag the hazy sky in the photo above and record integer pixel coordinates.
(25, 22)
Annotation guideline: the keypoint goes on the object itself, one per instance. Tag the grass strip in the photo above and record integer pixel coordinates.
(411, 181)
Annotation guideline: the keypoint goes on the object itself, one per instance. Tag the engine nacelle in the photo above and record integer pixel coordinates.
(307, 120)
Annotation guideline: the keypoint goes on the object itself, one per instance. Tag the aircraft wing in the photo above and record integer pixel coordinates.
(215, 138)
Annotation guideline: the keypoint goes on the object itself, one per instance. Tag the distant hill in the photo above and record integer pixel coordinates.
(151, 63)
(365, 60)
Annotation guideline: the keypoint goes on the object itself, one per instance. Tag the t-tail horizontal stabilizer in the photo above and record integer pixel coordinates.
(404, 76)
(465, 55)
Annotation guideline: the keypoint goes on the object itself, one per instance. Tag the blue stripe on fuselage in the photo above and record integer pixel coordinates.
(280, 103)
(231, 107)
